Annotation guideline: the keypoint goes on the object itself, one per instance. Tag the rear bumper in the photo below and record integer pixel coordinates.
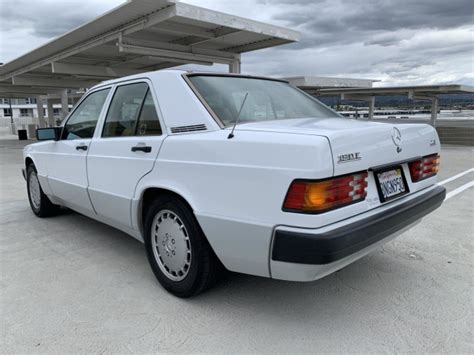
(335, 245)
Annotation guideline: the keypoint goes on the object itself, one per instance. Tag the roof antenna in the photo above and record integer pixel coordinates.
(231, 134)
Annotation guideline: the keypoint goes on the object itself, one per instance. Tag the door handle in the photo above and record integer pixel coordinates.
(141, 148)
(81, 147)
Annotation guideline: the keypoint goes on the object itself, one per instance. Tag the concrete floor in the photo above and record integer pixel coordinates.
(69, 284)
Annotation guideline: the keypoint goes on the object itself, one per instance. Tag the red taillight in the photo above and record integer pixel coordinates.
(320, 196)
(424, 168)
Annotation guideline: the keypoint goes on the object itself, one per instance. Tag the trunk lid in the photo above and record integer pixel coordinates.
(357, 144)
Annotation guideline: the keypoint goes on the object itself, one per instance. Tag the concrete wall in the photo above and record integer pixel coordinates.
(456, 135)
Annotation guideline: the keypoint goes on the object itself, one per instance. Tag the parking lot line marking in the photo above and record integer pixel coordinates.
(459, 190)
(456, 176)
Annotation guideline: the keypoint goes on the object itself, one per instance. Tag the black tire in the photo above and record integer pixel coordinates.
(45, 208)
(204, 266)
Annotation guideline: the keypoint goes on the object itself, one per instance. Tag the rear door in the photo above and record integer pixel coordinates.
(67, 174)
(124, 151)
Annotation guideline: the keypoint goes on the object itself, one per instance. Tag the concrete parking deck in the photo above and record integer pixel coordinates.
(70, 284)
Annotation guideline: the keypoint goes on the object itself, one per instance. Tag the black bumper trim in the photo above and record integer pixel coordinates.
(325, 248)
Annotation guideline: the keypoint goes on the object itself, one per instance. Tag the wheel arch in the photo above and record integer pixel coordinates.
(151, 193)
(28, 161)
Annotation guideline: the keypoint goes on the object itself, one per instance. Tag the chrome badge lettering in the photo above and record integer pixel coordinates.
(345, 158)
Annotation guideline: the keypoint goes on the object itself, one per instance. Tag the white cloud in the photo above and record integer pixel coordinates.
(398, 42)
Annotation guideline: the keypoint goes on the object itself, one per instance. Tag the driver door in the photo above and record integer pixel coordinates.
(67, 172)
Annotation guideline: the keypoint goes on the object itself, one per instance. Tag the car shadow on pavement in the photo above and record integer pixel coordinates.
(359, 283)
(252, 288)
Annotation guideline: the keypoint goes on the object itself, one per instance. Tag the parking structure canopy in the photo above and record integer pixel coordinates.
(138, 36)
(366, 93)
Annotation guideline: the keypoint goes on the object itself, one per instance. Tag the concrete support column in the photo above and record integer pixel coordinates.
(369, 99)
(64, 104)
(235, 67)
(434, 110)
(12, 123)
(40, 112)
(371, 107)
(51, 122)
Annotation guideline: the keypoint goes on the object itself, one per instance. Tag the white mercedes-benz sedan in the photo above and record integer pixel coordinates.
(250, 174)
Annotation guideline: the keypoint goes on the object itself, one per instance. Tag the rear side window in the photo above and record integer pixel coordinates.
(148, 122)
(81, 124)
(132, 112)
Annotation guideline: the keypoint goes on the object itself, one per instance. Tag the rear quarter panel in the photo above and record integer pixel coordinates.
(236, 187)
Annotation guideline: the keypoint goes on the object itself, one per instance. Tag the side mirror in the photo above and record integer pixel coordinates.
(48, 134)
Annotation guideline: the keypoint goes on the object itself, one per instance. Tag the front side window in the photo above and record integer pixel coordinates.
(81, 124)
(266, 99)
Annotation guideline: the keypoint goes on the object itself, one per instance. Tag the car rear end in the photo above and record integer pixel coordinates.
(384, 182)
(352, 186)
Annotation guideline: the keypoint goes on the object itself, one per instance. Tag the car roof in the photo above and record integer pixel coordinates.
(178, 72)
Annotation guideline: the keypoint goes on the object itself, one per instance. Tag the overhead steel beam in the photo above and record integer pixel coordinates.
(194, 13)
(187, 56)
(91, 70)
(356, 97)
(140, 24)
(177, 60)
(182, 29)
(30, 80)
(25, 90)
(255, 45)
(178, 48)
(220, 34)
(424, 97)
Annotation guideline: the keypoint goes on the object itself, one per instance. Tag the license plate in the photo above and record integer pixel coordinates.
(391, 183)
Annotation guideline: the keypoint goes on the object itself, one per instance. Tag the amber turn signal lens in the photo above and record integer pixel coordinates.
(320, 196)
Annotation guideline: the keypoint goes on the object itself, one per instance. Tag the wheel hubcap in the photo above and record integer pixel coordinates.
(35, 192)
(171, 245)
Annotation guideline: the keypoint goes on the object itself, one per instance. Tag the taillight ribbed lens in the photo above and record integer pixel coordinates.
(320, 196)
(424, 168)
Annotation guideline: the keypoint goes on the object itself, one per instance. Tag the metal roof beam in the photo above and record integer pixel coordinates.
(47, 82)
(150, 20)
(171, 55)
(221, 34)
(177, 60)
(195, 13)
(91, 70)
(424, 97)
(25, 91)
(255, 45)
(179, 28)
(356, 97)
(175, 51)
(179, 48)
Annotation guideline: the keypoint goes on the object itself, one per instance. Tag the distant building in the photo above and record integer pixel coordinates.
(25, 107)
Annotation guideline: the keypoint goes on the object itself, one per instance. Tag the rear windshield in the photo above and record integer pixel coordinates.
(266, 99)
